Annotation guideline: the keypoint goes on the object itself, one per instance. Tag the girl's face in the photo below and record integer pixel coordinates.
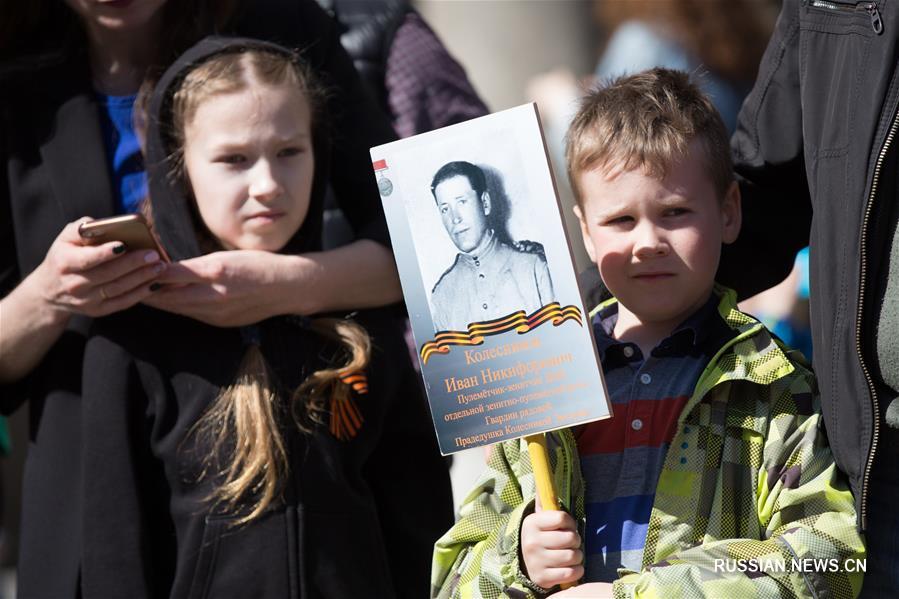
(249, 159)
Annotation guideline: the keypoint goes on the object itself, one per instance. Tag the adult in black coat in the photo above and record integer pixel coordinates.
(817, 162)
(53, 171)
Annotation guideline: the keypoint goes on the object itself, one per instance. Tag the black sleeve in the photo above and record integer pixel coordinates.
(9, 268)
(356, 125)
(769, 163)
(13, 394)
(128, 546)
(407, 460)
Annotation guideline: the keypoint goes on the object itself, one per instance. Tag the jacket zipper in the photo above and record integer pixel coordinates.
(858, 321)
(869, 7)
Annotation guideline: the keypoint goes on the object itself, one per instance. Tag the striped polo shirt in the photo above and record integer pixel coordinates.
(621, 457)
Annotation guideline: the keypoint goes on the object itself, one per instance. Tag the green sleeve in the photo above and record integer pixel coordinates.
(804, 508)
(478, 558)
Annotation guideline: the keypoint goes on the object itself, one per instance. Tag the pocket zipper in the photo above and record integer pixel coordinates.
(869, 7)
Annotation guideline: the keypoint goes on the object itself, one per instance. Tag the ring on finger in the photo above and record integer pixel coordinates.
(103, 293)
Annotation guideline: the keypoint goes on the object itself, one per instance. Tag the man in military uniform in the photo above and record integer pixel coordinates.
(490, 278)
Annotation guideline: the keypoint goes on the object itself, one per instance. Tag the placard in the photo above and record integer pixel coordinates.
(504, 343)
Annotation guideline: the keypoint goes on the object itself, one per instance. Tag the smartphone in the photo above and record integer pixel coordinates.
(130, 229)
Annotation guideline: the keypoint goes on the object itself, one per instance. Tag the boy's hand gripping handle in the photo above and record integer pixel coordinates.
(543, 476)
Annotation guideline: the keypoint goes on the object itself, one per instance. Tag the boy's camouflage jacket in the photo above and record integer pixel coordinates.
(749, 475)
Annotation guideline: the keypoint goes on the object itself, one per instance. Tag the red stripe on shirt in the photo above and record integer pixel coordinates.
(657, 416)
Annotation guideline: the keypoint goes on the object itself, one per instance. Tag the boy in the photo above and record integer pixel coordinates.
(714, 477)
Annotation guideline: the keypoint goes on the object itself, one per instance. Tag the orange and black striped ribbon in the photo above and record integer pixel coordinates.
(516, 321)
(346, 419)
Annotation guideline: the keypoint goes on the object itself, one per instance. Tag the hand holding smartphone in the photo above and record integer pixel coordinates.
(130, 229)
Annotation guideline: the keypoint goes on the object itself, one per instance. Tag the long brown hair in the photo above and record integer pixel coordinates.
(241, 431)
(728, 36)
(243, 427)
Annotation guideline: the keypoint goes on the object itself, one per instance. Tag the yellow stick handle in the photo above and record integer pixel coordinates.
(543, 477)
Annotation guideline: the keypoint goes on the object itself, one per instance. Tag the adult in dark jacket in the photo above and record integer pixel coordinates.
(54, 170)
(343, 524)
(405, 65)
(407, 69)
(816, 153)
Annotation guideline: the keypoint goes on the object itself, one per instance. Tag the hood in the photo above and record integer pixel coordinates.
(170, 199)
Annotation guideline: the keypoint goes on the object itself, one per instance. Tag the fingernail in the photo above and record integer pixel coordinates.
(159, 268)
(119, 248)
(151, 256)
(155, 286)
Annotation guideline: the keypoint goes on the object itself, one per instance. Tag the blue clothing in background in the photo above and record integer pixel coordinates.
(636, 46)
(123, 153)
(802, 264)
(796, 332)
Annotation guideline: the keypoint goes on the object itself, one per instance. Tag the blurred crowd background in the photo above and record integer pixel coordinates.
(518, 51)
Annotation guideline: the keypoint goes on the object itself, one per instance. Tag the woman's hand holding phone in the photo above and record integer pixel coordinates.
(79, 277)
(74, 278)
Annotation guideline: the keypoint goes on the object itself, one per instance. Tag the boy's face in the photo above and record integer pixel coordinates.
(248, 156)
(657, 242)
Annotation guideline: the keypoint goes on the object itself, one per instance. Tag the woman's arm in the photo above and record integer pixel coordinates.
(73, 278)
(239, 287)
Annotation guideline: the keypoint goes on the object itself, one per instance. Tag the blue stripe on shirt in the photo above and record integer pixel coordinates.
(624, 523)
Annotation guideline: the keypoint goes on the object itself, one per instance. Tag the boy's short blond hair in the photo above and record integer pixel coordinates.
(647, 120)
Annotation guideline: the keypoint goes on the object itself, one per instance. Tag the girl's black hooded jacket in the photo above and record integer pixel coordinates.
(350, 522)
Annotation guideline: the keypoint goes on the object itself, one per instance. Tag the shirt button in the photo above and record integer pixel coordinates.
(480, 275)
(628, 351)
(636, 424)
(484, 306)
(477, 262)
(645, 378)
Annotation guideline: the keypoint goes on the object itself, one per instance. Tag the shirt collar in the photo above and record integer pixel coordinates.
(484, 249)
(698, 326)
(705, 329)
(603, 325)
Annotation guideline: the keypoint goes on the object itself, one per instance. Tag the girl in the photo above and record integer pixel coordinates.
(253, 461)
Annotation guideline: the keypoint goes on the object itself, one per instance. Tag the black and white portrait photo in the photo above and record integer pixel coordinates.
(492, 275)
(475, 223)
(488, 279)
